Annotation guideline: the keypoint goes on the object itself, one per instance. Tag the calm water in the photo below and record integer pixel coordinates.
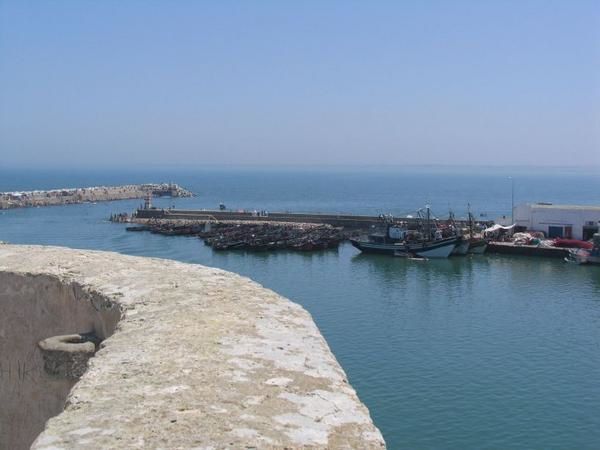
(483, 352)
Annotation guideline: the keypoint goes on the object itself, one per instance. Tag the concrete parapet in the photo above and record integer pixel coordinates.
(199, 358)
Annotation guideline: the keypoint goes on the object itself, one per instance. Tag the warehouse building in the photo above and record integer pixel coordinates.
(568, 221)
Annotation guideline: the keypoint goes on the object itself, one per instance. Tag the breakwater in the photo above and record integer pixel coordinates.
(347, 221)
(53, 197)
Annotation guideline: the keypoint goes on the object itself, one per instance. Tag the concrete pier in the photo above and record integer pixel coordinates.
(347, 221)
(508, 248)
(190, 357)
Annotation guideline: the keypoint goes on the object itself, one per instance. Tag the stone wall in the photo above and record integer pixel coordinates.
(199, 358)
(35, 307)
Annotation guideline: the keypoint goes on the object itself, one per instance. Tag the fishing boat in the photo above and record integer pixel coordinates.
(398, 240)
(462, 245)
(469, 241)
(477, 244)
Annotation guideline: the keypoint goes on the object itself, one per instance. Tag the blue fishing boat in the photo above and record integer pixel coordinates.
(398, 240)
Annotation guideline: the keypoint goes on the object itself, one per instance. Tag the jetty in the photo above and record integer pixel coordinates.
(511, 248)
(23, 199)
(347, 221)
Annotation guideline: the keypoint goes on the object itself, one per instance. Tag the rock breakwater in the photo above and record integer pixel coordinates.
(22, 199)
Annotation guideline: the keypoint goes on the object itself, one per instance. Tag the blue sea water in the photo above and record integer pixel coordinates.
(482, 352)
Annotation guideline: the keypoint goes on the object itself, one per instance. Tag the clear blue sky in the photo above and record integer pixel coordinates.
(401, 82)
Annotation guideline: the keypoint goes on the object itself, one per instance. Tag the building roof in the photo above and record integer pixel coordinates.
(564, 207)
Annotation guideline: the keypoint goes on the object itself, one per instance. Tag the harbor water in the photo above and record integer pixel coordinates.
(478, 352)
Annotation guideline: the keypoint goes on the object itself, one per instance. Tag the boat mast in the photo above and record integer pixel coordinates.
(428, 224)
(470, 220)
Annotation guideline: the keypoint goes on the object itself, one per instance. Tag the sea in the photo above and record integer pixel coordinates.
(477, 352)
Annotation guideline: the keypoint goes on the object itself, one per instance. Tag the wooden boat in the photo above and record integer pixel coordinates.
(399, 241)
(430, 249)
(462, 247)
(138, 228)
(477, 245)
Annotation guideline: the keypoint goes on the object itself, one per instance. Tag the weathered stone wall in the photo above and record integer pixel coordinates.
(200, 358)
(35, 307)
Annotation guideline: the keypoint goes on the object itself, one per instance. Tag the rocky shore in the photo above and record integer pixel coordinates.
(89, 194)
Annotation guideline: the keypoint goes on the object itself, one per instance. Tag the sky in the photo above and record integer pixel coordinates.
(195, 83)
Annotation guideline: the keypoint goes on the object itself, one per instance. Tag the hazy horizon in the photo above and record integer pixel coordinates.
(266, 84)
(179, 167)
(593, 169)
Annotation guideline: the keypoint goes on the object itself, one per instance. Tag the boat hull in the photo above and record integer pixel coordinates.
(477, 247)
(461, 248)
(583, 256)
(434, 249)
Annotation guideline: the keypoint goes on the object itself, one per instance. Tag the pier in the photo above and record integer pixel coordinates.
(347, 221)
(510, 248)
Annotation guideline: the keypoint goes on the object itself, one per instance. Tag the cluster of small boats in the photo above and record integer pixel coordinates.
(255, 236)
(431, 239)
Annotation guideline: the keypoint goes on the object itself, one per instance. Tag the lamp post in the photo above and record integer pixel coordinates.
(512, 200)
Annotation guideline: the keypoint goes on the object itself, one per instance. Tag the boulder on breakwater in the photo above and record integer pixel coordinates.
(89, 194)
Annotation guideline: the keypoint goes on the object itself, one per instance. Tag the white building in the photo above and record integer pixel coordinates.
(569, 221)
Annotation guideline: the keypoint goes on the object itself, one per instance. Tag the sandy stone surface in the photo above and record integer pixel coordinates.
(202, 358)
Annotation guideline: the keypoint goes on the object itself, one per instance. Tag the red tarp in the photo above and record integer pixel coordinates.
(572, 243)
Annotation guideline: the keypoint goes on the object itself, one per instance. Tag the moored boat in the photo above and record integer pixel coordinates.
(398, 240)
(462, 246)
(587, 255)
(477, 245)
(440, 248)
(469, 241)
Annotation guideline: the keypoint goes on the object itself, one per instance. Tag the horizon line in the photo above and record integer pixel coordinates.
(196, 166)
